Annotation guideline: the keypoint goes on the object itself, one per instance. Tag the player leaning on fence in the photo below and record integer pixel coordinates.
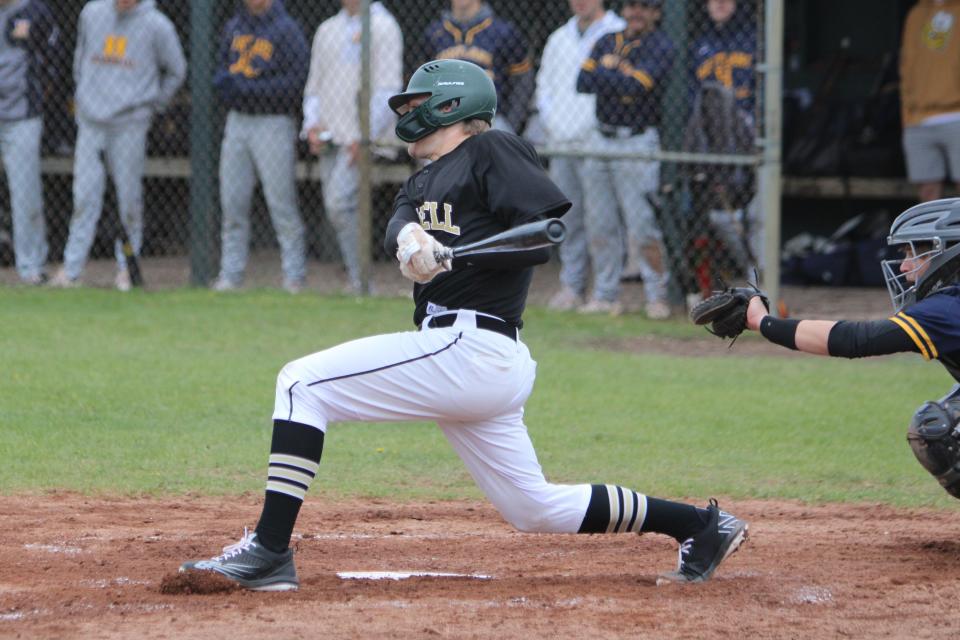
(127, 66)
(466, 367)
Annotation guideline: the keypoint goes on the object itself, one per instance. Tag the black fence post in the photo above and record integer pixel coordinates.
(203, 45)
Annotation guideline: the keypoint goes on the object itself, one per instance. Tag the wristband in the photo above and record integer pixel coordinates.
(780, 331)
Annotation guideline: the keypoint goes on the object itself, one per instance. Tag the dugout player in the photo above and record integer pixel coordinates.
(924, 286)
(471, 31)
(466, 367)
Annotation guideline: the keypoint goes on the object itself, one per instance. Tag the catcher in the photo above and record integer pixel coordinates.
(924, 286)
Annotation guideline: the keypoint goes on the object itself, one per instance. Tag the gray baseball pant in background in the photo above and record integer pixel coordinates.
(20, 148)
(615, 187)
(261, 146)
(125, 148)
(575, 258)
(341, 184)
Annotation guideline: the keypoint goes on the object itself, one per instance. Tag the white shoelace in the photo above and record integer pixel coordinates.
(237, 548)
(684, 549)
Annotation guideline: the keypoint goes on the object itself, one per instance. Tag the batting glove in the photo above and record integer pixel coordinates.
(416, 251)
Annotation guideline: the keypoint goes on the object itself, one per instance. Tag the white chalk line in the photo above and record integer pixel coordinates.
(404, 575)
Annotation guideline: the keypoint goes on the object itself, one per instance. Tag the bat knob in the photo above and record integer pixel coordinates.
(556, 231)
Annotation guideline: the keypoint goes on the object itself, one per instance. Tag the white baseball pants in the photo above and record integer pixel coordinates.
(472, 382)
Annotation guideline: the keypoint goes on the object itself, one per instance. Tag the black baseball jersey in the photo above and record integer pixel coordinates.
(491, 182)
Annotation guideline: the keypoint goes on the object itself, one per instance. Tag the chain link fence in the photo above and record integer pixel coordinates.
(224, 137)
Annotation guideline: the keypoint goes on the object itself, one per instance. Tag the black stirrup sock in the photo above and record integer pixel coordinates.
(294, 460)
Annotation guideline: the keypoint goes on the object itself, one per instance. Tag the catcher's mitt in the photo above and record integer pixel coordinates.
(726, 311)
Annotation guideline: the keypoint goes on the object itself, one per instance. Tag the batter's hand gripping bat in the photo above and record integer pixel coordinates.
(526, 237)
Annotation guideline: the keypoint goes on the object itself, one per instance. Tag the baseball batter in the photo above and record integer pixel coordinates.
(466, 368)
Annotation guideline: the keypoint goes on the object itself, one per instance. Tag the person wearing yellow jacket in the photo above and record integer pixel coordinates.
(930, 95)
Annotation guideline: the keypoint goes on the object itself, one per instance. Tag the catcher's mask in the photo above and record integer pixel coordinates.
(928, 235)
(455, 90)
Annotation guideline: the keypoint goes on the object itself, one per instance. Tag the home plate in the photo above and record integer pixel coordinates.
(403, 575)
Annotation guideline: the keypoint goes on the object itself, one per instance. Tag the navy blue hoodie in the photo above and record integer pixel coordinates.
(26, 64)
(727, 54)
(263, 62)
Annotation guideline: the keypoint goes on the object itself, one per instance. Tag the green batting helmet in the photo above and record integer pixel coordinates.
(462, 85)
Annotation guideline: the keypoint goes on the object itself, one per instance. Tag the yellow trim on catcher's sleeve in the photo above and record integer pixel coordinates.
(923, 334)
(913, 336)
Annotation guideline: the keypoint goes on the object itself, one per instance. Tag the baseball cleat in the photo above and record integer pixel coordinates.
(700, 555)
(251, 565)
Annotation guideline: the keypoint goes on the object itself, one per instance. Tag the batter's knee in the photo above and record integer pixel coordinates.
(295, 401)
(291, 382)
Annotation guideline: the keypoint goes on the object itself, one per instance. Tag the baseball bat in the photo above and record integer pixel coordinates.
(133, 263)
(526, 237)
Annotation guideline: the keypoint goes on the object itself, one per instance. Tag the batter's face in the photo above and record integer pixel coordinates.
(721, 11)
(258, 7)
(351, 6)
(125, 5)
(640, 18)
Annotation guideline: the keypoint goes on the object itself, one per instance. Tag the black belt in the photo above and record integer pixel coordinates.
(615, 131)
(489, 323)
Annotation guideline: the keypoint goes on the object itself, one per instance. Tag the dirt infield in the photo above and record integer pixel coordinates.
(81, 567)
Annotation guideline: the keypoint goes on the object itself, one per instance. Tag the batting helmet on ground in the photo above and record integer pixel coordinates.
(455, 90)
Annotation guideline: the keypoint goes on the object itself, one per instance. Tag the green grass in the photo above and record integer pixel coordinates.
(172, 392)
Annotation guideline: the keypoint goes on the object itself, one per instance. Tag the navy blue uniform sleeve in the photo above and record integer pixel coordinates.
(640, 71)
(933, 323)
(592, 75)
(852, 339)
(516, 187)
(519, 82)
(223, 55)
(44, 35)
(648, 67)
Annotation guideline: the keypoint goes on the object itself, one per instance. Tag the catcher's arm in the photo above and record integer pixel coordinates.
(841, 338)
(810, 336)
